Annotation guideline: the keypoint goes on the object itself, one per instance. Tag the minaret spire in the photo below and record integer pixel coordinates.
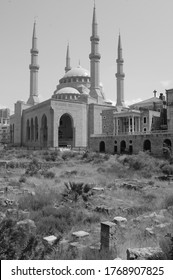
(34, 67)
(94, 56)
(67, 67)
(120, 75)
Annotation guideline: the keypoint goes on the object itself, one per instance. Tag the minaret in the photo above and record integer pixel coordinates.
(94, 57)
(120, 75)
(67, 67)
(34, 67)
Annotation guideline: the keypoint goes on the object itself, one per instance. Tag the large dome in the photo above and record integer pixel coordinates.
(67, 90)
(77, 72)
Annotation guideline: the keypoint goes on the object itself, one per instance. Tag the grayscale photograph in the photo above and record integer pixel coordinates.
(86, 130)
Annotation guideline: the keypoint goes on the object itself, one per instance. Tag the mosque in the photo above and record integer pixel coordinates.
(78, 115)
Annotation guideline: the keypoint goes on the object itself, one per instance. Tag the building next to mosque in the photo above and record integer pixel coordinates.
(78, 114)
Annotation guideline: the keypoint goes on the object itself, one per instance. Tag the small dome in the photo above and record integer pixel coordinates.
(67, 90)
(77, 72)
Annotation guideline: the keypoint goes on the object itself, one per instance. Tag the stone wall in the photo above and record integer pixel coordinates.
(136, 141)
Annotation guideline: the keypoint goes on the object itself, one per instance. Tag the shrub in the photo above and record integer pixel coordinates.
(48, 174)
(167, 169)
(168, 201)
(22, 179)
(68, 154)
(166, 244)
(33, 167)
(17, 243)
(36, 202)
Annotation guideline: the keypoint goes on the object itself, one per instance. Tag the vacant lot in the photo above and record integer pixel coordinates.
(57, 193)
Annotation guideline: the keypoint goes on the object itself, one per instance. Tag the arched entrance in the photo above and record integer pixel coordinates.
(147, 145)
(102, 147)
(122, 146)
(66, 131)
(44, 131)
(167, 147)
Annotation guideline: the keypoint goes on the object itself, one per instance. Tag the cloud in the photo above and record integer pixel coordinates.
(166, 83)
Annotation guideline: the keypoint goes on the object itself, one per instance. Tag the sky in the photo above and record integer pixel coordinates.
(146, 28)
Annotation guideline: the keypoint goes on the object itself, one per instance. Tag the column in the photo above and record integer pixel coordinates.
(129, 125)
(116, 126)
(114, 129)
(132, 124)
(139, 126)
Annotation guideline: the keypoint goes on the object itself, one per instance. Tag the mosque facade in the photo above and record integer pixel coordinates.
(72, 113)
(78, 115)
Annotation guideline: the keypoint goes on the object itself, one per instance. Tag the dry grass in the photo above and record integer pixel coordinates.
(112, 173)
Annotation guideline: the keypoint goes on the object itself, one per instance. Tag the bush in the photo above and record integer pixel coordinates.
(166, 244)
(22, 179)
(33, 167)
(67, 154)
(168, 201)
(167, 169)
(48, 174)
(36, 202)
(18, 243)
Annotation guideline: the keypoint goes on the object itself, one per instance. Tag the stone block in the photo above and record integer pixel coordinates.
(120, 221)
(51, 240)
(108, 235)
(2, 216)
(149, 253)
(77, 248)
(79, 235)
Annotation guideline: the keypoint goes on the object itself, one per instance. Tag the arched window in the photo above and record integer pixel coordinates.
(27, 131)
(44, 131)
(122, 146)
(147, 145)
(32, 130)
(102, 147)
(36, 128)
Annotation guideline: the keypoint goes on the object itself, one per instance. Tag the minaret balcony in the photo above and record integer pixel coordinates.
(94, 56)
(120, 60)
(119, 75)
(34, 67)
(94, 38)
(33, 50)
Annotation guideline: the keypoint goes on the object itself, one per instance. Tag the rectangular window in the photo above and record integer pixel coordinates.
(145, 119)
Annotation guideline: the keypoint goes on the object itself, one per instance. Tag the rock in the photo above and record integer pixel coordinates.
(117, 258)
(27, 225)
(77, 248)
(2, 201)
(51, 240)
(80, 234)
(120, 221)
(98, 189)
(64, 244)
(163, 225)
(166, 245)
(103, 209)
(2, 216)
(131, 186)
(149, 253)
(149, 231)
